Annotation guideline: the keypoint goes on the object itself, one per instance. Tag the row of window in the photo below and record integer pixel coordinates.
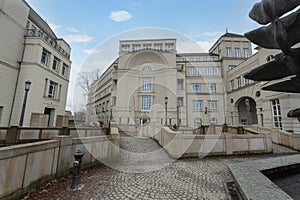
(203, 71)
(198, 88)
(155, 46)
(56, 63)
(212, 105)
(198, 121)
(239, 82)
(102, 108)
(104, 92)
(237, 52)
(198, 59)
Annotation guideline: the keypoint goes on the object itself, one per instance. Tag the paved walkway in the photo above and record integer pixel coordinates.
(146, 172)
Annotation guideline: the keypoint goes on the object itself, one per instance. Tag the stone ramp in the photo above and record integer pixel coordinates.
(140, 155)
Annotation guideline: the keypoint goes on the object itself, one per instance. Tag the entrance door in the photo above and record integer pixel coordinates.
(51, 113)
(247, 111)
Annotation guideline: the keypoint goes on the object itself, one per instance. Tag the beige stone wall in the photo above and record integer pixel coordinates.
(39, 120)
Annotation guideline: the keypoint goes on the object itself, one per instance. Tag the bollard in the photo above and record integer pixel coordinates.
(77, 170)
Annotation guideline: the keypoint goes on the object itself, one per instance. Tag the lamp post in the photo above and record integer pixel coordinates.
(247, 103)
(166, 109)
(178, 116)
(27, 87)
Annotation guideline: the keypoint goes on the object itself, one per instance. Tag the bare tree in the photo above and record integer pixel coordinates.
(85, 80)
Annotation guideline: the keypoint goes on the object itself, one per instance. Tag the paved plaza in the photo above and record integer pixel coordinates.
(145, 171)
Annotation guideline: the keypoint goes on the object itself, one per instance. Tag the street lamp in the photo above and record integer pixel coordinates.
(178, 116)
(166, 108)
(247, 103)
(27, 87)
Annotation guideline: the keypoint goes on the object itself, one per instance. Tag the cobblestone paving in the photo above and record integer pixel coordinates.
(151, 175)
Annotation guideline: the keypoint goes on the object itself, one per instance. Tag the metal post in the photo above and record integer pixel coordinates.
(166, 109)
(177, 116)
(27, 87)
(76, 182)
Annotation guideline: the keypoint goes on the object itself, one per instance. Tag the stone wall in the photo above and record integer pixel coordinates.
(287, 139)
(28, 165)
(178, 145)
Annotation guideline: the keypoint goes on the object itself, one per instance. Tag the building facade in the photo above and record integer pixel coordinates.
(31, 51)
(201, 88)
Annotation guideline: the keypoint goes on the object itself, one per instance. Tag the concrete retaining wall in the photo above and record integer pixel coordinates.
(28, 165)
(178, 145)
(287, 139)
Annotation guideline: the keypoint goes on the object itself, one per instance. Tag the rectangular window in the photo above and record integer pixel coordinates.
(237, 52)
(232, 84)
(147, 84)
(147, 46)
(180, 84)
(125, 48)
(276, 113)
(199, 71)
(192, 71)
(228, 52)
(212, 105)
(146, 103)
(239, 82)
(231, 67)
(196, 87)
(55, 65)
(180, 101)
(52, 90)
(65, 70)
(136, 47)
(207, 71)
(246, 52)
(212, 88)
(197, 122)
(197, 105)
(45, 57)
(1, 111)
(169, 46)
(215, 71)
(213, 121)
(158, 46)
(246, 81)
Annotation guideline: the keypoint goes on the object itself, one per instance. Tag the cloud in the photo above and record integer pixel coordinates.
(72, 29)
(120, 16)
(92, 51)
(211, 34)
(78, 38)
(54, 27)
(194, 47)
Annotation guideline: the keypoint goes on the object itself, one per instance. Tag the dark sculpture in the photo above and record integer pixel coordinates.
(281, 33)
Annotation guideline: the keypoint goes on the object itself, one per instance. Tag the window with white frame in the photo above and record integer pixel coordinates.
(212, 88)
(247, 81)
(180, 101)
(197, 122)
(196, 87)
(199, 71)
(158, 46)
(212, 105)
(239, 82)
(45, 57)
(169, 46)
(237, 52)
(197, 105)
(228, 52)
(55, 64)
(147, 46)
(192, 71)
(125, 48)
(146, 84)
(179, 84)
(146, 102)
(65, 70)
(246, 52)
(136, 47)
(53, 89)
(207, 71)
(276, 113)
(232, 84)
(215, 71)
(213, 120)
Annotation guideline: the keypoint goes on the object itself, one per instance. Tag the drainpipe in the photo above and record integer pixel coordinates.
(17, 82)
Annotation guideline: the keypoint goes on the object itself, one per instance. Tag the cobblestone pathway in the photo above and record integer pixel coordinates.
(142, 174)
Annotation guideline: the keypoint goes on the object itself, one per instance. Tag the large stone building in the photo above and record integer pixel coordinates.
(31, 51)
(202, 88)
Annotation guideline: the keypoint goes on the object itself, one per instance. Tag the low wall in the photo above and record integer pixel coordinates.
(179, 146)
(287, 139)
(25, 166)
